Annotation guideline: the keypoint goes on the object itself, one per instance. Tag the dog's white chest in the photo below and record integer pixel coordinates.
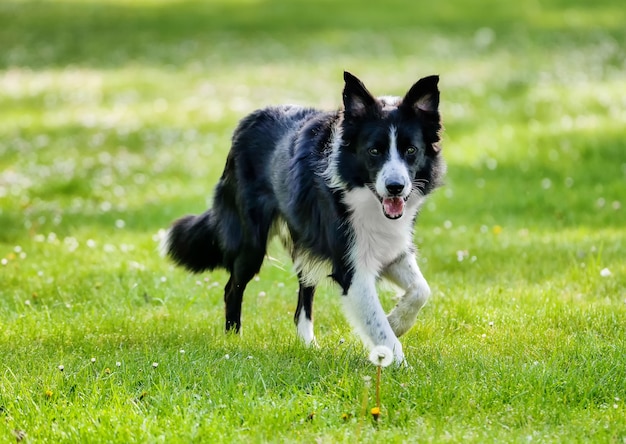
(377, 239)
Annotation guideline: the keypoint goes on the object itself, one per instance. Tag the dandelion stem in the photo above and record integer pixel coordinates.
(378, 372)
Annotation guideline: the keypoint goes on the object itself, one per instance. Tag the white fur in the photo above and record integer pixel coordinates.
(377, 239)
(389, 102)
(305, 330)
(405, 273)
(394, 169)
(331, 175)
(164, 241)
(366, 315)
(280, 230)
(312, 269)
(377, 242)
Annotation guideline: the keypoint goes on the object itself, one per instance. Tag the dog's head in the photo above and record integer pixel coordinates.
(390, 144)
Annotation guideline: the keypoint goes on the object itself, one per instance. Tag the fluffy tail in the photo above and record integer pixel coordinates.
(192, 242)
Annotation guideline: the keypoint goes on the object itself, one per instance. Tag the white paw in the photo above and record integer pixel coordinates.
(305, 330)
(398, 354)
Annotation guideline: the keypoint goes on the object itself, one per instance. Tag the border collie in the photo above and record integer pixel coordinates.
(341, 189)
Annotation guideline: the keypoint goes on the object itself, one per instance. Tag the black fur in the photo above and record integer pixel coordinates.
(280, 166)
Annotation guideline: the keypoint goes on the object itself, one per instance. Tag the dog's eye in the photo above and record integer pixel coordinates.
(374, 152)
(411, 150)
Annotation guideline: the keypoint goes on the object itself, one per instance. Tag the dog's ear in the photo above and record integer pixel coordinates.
(423, 96)
(357, 100)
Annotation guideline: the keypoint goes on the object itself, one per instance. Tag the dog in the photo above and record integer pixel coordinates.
(341, 189)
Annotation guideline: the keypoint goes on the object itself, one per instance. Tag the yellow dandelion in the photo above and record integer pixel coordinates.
(497, 229)
(375, 413)
(48, 393)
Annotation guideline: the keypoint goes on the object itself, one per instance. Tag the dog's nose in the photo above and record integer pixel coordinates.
(394, 188)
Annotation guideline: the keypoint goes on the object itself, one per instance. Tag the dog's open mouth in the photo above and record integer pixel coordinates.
(393, 207)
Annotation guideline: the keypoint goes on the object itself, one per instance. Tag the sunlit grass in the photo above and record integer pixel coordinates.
(115, 119)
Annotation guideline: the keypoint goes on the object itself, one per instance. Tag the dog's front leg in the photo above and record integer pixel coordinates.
(367, 316)
(405, 273)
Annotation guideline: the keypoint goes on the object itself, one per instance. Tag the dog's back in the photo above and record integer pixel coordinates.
(244, 202)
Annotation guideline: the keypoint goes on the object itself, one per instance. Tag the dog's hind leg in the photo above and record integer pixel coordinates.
(245, 266)
(303, 316)
(405, 273)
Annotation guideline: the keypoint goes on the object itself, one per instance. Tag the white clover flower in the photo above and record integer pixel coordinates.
(381, 356)
(605, 272)
(61, 368)
(155, 364)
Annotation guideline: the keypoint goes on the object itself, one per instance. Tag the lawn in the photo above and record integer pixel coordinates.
(115, 119)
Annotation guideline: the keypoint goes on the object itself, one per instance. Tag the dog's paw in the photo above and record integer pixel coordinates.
(398, 354)
(399, 323)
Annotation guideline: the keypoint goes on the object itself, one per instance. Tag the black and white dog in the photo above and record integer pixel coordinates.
(342, 189)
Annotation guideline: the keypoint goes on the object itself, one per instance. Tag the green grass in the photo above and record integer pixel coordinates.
(115, 118)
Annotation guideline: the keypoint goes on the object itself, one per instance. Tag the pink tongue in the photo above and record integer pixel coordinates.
(393, 207)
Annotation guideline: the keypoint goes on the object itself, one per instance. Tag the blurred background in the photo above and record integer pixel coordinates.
(117, 115)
